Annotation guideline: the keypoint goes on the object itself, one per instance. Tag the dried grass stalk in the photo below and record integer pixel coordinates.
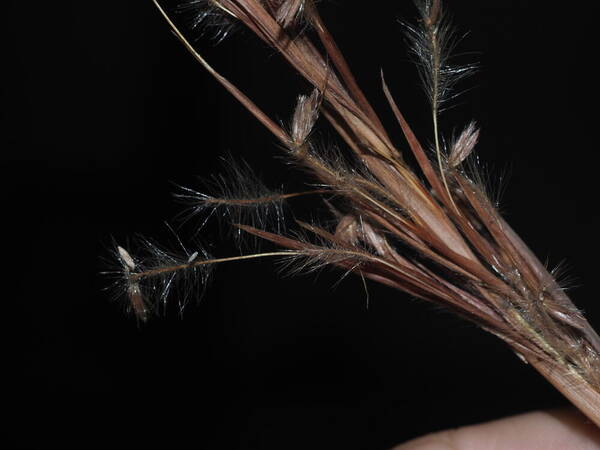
(458, 250)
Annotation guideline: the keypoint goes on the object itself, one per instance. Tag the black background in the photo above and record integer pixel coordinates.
(103, 110)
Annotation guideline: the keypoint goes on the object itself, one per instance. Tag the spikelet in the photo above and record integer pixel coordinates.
(432, 43)
(463, 146)
(304, 119)
(146, 282)
(133, 291)
(237, 195)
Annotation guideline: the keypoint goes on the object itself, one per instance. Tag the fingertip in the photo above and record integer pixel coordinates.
(442, 440)
(540, 430)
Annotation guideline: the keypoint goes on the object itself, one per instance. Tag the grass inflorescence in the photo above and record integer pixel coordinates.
(429, 230)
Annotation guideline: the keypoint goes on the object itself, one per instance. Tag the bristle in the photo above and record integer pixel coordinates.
(208, 18)
(489, 181)
(432, 43)
(148, 281)
(236, 195)
(316, 257)
(158, 281)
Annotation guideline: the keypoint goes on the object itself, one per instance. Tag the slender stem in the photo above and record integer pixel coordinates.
(203, 262)
(260, 200)
(432, 24)
(277, 131)
(435, 113)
